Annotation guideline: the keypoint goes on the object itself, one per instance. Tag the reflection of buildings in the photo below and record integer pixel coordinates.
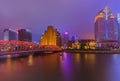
(106, 27)
(90, 59)
(51, 37)
(9, 34)
(24, 35)
(8, 63)
(30, 60)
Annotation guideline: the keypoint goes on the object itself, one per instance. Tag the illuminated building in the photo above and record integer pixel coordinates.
(51, 37)
(24, 35)
(118, 19)
(82, 44)
(87, 44)
(73, 38)
(1, 34)
(65, 39)
(109, 44)
(58, 39)
(106, 27)
(9, 34)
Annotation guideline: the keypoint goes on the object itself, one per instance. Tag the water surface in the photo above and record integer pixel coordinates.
(65, 67)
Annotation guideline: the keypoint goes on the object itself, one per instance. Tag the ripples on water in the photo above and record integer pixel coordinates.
(61, 67)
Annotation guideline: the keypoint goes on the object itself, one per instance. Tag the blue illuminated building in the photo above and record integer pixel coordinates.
(65, 39)
(118, 20)
(73, 38)
(106, 26)
(9, 34)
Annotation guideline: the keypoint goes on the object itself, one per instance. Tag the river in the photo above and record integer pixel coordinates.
(61, 67)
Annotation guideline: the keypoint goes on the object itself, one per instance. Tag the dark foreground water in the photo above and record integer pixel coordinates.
(68, 67)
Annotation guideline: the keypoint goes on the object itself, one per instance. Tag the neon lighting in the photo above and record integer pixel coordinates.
(66, 33)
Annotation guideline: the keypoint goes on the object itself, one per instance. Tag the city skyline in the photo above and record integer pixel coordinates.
(75, 17)
(59, 40)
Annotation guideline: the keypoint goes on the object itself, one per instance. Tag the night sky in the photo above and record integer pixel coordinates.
(74, 16)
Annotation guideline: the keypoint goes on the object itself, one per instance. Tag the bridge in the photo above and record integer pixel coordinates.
(19, 47)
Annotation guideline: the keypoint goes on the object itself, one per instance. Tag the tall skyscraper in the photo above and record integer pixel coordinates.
(118, 20)
(24, 35)
(51, 37)
(106, 27)
(9, 34)
(1, 34)
(118, 17)
(65, 40)
(58, 39)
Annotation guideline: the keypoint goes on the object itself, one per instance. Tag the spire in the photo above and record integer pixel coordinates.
(106, 12)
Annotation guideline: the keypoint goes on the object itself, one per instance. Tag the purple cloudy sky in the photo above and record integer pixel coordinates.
(74, 16)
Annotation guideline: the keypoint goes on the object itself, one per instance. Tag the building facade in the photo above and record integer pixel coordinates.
(9, 34)
(24, 35)
(1, 34)
(106, 27)
(51, 37)
(65, 40)
(118, 20)
(58, 39)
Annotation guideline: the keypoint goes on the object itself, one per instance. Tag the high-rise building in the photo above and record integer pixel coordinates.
(118, 20)
(58, 39)
(51, 37)
(106, 27)
(65, 40)
(24, 35)
(1, 34)
(9, 34)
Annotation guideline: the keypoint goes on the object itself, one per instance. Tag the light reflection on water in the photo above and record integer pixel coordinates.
(78, 57)
(61, 67)
(30, 60)
(90, 59)
(8, 62)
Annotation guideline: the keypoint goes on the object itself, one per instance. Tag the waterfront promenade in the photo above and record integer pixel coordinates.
(46, 51)
(43, 51)
(93, 51)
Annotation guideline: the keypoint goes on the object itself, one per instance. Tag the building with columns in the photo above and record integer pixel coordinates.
(51, 37)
